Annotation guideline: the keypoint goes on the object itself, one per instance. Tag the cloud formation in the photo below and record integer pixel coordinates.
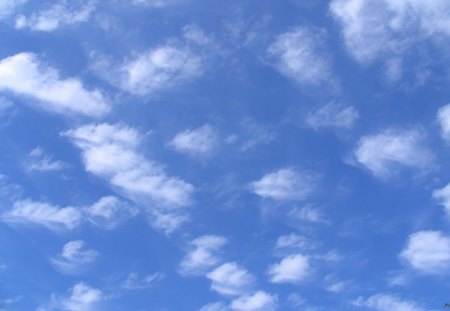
(111, 152)
(284, 185)
(387, 152)
(26, 75)
(300, 54)
(428, 252)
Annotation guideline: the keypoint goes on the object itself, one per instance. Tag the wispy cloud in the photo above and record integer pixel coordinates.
(62, 13)
(74, 257)
(332, 115)
(387, 302)
(284, 184)
(39, 161)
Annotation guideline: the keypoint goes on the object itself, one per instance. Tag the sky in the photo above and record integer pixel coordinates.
(182, 155)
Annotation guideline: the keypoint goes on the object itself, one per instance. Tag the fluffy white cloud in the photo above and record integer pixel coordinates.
(41, 162)
(203, 255)
(111, 152)
(74, 257)
(332, 115)
(230, 279)
(383, 154)
(284, 184)
(59, 14)
(300, 54)
(24, 74)
(428, 252)
(387, 302)
(81, 297)
(108, 212)
(258, 301)
(443, 118)
(7, 7)
(27, 212)
(292, 269)
(374, 29)
(199, 141)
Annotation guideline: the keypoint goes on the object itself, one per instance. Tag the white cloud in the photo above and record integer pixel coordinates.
(332, 115)
(385, 153)
(292, 269)
(27, 212)
(81, 297)
(258, 301)
(300, 55)
(60, 14)
(231, 280)
(443, 117)
(284, 184)
(7, 7)
(24, 74)
(134, 282)
(195, 142)
(158, 69)
(203, 255)
(387, 302)
(428, 252)
(443, 197)
(41, 162)
(386, 29)
(111, 152)
(74, 257)
(109, 212)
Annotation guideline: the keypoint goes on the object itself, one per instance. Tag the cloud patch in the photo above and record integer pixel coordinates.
(25, 74)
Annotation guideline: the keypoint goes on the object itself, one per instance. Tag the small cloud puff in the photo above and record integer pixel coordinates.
(284, 185)
(195, 142)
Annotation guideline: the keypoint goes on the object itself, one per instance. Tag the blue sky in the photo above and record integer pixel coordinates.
(208, 155)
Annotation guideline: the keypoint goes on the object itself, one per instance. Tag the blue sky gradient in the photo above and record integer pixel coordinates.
(169, 155)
